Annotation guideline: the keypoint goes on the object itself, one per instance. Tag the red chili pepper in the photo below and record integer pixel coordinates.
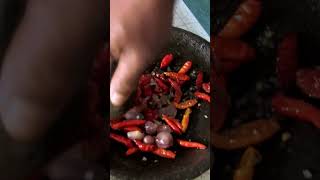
(190, 144)
(186, 67)
(126, 123)
(166, 61)
(245, 135)
(150, 114)
(203, 96)
(172, 124)
(162, 85)
(178, 92)
(244, 18)
(181, 82)
(161, 76)
(132, 128)
(131, 151)
(308, 80)
(186, 104)
(231, 53)
(145, 79)
(297, 109)
(147, 91)
(185, 119)
(199, 79)
(176, 122)
(206, 87)
(287, 62)
(164, 153)
(233, 50)
(113, 121)
(121, 139)
(145, 147)
(176, 76)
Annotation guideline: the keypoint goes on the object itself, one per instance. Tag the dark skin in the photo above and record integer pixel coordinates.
(51, 51)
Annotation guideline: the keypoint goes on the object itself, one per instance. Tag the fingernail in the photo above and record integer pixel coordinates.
(116, 98)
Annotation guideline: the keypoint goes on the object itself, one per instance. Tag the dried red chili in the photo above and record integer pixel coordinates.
(147, 91)
(245, 135)
(202, 96)
(176, 122)
(131, 151)
(126, 123)
(172, 124)
(186, 67)
(161, 76)
(190, 144)
(186, 104)
(232, 51)
(131, 128)
(206, 87)
(181, 82)
(199, 79)
(176, 76)
(113, 121)
(121, 139)
(166, 60)
(178, 92)
(248, 161)
(185, 120)
(162, 85)
(145, 79)
(145, 147)
(243, 19)
(297, 109)
(164, 153)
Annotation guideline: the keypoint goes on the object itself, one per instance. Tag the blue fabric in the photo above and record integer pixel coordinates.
(201, 10)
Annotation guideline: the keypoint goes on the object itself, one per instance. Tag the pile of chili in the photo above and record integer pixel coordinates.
(230, 52)
(151, 88)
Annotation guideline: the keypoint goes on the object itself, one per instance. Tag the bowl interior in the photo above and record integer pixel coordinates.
(189, 163)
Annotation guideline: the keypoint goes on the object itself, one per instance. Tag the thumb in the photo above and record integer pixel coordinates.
(131, 65)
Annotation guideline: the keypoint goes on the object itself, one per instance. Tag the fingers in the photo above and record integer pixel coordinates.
(116, 40)
(131, 65)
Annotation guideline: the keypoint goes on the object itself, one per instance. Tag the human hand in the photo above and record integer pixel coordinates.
(138, 30)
